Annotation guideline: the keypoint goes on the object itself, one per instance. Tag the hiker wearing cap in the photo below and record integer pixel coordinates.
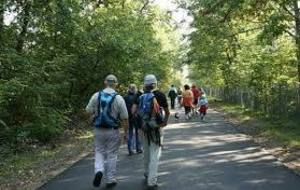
(130, 99)
(109, 113)
(150, 108)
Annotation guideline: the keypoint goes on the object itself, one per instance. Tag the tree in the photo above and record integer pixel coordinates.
(57, 53)
(237, 42)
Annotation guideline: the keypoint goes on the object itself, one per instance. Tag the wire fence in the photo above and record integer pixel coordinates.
(278, 101)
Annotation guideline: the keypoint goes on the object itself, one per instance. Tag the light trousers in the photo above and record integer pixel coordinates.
(152, 154)
(107, 143)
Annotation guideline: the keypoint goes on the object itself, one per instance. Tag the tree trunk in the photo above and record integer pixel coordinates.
(2, 10)
(297, 29)
(24, 28)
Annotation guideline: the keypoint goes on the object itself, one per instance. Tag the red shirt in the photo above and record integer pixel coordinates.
(196, 92)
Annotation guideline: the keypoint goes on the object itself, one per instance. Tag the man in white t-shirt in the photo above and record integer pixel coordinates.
(109, 113)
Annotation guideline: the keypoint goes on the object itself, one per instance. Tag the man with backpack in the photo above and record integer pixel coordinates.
(172, 95)
(130, 99)
(109, 114)
(150, 108)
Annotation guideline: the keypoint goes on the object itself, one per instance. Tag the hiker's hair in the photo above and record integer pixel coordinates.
(150, 87)
(187, 87)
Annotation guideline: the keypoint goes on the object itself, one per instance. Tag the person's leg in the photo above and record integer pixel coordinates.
(146, 155)
(186, 110)
(99, 169)
(172, 103)
(137, 140)
(130, 138)
(113, 144)
(99, 150)
(189, 111)
(155, 151)
(204, 114)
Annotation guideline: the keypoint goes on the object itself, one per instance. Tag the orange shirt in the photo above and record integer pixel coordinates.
(187, 98)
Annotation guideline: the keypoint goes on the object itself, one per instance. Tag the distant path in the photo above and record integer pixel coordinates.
(197, 156)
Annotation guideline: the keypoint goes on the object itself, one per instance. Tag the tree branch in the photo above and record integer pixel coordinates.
(23, 33)
(288, 11)
(290, 33)
(146, 3)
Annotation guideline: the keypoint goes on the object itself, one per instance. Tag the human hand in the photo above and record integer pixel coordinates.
(125, 138)
(163, 124)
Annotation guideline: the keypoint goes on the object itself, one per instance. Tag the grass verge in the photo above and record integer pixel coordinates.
(285, 131)
(29, 169)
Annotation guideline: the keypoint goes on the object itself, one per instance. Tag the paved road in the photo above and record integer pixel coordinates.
(197, 156)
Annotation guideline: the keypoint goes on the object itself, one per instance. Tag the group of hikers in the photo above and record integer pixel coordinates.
(142, 115)
(192, 99)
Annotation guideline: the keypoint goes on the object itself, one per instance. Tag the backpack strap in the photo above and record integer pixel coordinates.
(108, 111)
(99, 102)
(109, 107)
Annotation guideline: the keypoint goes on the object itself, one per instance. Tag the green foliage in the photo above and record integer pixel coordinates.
(55, 55)
(246, 52)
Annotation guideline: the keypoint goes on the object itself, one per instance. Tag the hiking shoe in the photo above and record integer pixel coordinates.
(111, 185)
(130, 153)
(139, 151)
(152, 187)
(97, 179)
(146, 179)
(146, 176)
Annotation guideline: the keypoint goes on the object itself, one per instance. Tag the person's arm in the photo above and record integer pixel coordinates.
(167, 116)
(125, 125)
(134, 109)
(123, 116)
(192, 99)
(91, 107)
(165, 106)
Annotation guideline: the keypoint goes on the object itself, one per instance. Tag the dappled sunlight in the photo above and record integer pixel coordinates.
(196, 155)
(86, 136)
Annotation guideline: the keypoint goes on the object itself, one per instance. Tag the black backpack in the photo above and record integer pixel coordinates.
(130, 99)
(172, 94)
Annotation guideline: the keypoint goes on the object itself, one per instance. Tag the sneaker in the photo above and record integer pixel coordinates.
(145, 179)
(139, 151)
(130, 153)
(97, 179)
(111, 185)
(146, 176)
(152, 187)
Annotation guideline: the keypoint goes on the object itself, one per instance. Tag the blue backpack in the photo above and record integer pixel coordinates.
(146, 105)
(104, 118)
(145, 111)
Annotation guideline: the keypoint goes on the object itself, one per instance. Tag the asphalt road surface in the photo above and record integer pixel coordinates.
(210, 155)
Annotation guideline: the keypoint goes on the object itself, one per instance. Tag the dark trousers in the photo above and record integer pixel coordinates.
(133, 131)
(187, 109)
(172, 103)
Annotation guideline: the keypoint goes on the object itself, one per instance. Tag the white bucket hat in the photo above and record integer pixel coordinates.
(150, 79)
(111, 79)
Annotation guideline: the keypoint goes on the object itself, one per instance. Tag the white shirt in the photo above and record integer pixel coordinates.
(174, 89)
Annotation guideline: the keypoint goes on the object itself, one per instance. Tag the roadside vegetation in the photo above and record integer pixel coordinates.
(55, 54)
(283, 132)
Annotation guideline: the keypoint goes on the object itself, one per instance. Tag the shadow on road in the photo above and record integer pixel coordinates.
(209, 155)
